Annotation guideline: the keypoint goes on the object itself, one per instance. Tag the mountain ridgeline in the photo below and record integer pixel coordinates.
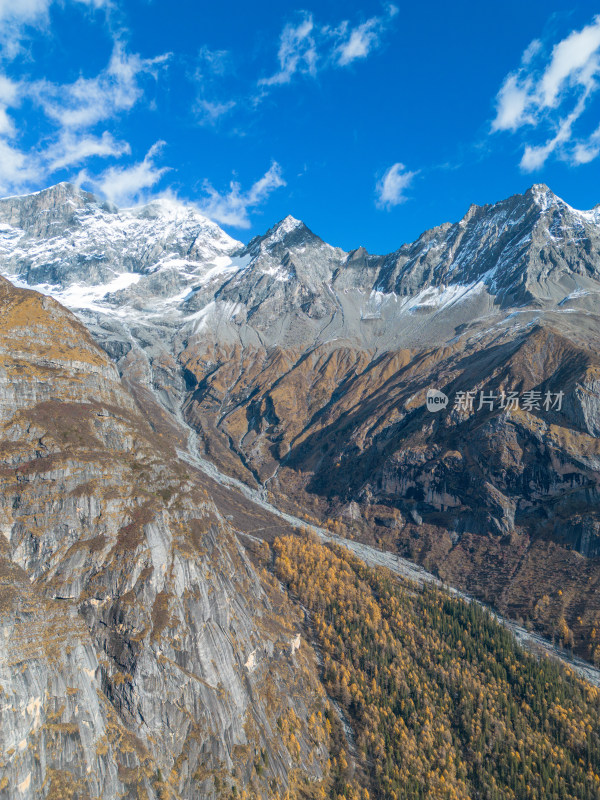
(147, 655)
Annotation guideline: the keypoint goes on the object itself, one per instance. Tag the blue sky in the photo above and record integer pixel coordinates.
(370, 121)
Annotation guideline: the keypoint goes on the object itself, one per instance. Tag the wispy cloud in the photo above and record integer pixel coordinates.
(212, 67)
(17, 168)
(297, 52)
(88, 101)
(74, 111)
(587, 151)
(25, 10)
(22, 170)
(126, 186)
(233, 207)
(10, 97)
(72, 149)
(209, 112)
(391, 187)
(552, 92)
(306, 47)
(30, 11)
(360, 41)
(96, 3)
(17, 16)
(213, 62)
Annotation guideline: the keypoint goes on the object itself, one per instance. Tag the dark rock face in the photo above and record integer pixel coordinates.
(305, 369)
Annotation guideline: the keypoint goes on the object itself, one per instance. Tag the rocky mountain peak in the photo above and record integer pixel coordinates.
(46, 213)
(530, 248)
(543, 196)
(167, 259)
(288, 232)
(60, 192)
(289, 223)
(527, 206)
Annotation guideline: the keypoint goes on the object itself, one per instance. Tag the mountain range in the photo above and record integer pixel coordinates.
(189, 363)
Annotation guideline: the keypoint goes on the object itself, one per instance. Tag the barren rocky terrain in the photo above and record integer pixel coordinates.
(142, 654)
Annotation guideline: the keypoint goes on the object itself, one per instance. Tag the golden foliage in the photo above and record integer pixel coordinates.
(445, 705)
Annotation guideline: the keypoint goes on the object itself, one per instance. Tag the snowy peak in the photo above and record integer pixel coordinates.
(538, 190)
(172, 210)
(288, 224)
(519, 207)
(166, 261)
(66, 205)
(291, 251)
(544, 197)
(530, 249)
(289, 233)
(91, 255)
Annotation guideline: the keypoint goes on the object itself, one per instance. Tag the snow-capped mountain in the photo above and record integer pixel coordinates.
(168, 263)
(86, 253)
(529, 248)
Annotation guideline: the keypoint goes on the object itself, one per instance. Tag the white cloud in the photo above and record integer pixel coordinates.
(9, 91)
(212, 66)
(17, 169)
(553, 93)
(232, 207)
(359, 42)
(31, 11)
(574, 61)
(95, 3)
(534, 157)
(22, 171)
(297, 53)
(76, 109)
(72, 149)
(9, 97)
(125, 185)
(532, 49)
(587, 151)
(390, 189)
(88, 101)
(15, 16)
(25, 10)
(305, 47)
(213, 62)
(513, 101)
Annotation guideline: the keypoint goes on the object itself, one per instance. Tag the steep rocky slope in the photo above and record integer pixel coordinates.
(503, 503)
(305, 369)
(141, 654)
